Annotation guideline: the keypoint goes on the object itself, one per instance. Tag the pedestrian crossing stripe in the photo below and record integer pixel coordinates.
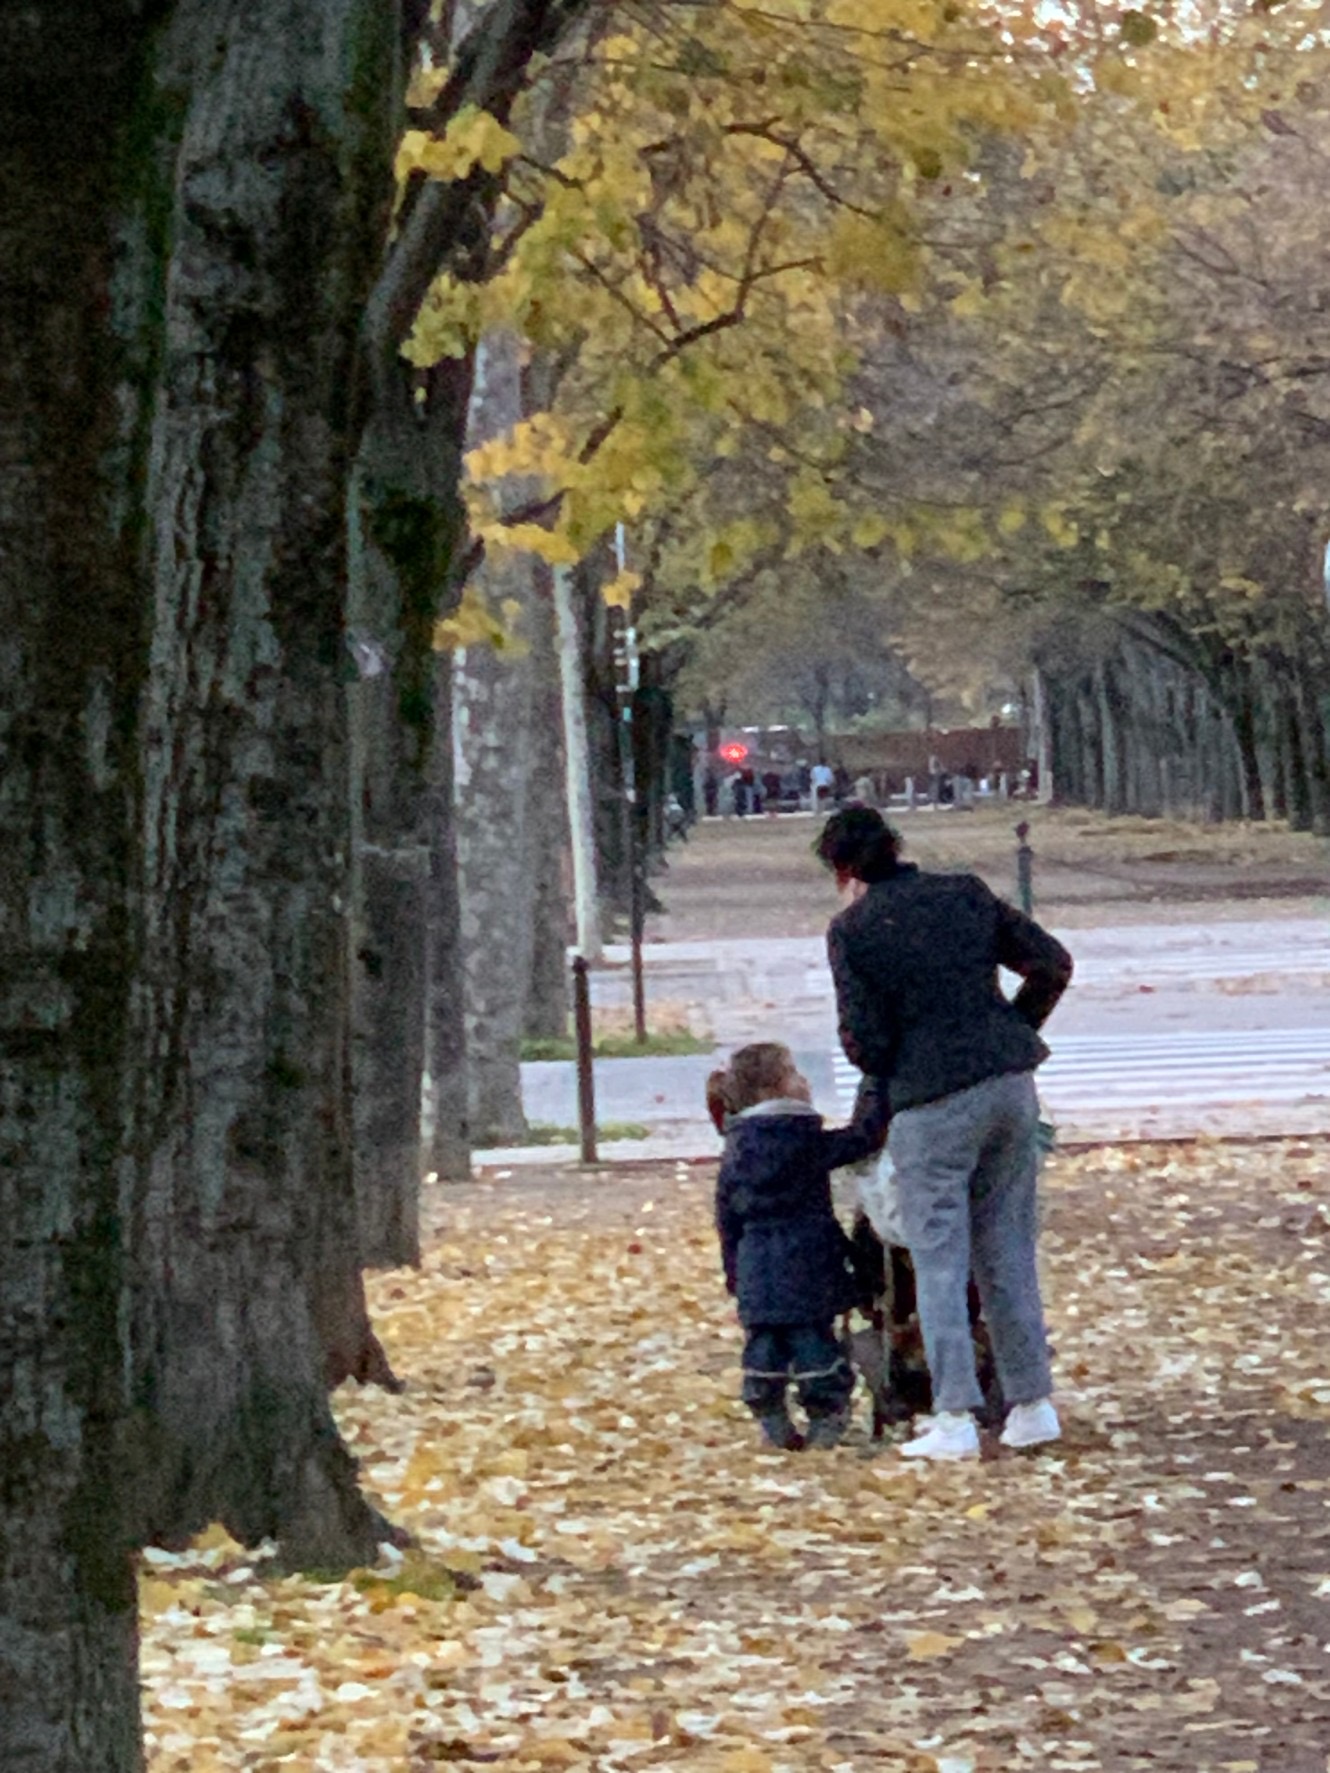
(1188, 1068)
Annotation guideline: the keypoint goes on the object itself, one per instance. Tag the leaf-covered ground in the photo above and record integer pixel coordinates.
(612, 1575)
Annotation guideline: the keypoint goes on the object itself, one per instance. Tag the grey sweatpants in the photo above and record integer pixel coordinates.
(967, 1168)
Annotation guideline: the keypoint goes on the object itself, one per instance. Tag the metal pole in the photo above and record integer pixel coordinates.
(586, 1073)
(638, 919)
(626, 686)
(1024, 869)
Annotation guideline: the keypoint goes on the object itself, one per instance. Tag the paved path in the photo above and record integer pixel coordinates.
(1169, 1031)
(738, 986)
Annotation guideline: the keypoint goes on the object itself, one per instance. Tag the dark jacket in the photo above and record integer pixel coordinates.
(786, 1259)
(915, 962)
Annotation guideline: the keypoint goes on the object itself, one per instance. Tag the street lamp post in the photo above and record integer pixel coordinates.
(626, 672)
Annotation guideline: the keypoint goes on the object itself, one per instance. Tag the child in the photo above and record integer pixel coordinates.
(787, 1261)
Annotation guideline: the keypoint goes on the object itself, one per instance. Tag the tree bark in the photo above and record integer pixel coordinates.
(1311, 733)
(577, 764)
(449, 1121)
(72, 661)
(548, 1003)
(494, 718)
(1114, 736)
(248, 1226)
(1243, 714)
(410, 522)
(179, 281)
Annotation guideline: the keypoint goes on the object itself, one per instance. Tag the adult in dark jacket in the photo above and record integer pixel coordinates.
(915, 960)
(787, 1261)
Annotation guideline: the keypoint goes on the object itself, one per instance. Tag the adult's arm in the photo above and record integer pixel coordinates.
(865, 1134)
(1045, 967)
(868, 1029)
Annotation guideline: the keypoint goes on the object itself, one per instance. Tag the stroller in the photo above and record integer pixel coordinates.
(888, 1350)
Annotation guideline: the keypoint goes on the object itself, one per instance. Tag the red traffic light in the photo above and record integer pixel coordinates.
(734, 752)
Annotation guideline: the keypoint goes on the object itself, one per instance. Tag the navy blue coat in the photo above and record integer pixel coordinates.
(787, 1261)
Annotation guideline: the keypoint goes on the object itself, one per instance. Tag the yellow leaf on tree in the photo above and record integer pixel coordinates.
(618, 594)
(869, 530)
(473, 138)
(873, 254)
(969, 302)
(473, 623)
(549, 545)
(1060, 527)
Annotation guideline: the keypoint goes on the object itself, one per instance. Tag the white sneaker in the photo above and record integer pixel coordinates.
(948, 1436)
(1031, 1425)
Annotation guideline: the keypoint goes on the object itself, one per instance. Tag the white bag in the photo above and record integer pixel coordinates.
(879, 1190)
(879, 1196)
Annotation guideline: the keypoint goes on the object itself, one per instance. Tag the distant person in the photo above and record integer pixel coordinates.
(772, 790)
(934, 778)
(788, 1263)
(842, 785)
(676, 819)
(864, 792)
(915, 961)
(711, 794)
(752, 789)
(822, 781)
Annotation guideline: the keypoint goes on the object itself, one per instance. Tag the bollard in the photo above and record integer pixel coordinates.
(586, 1074)
(637, 923)
(1024, 869)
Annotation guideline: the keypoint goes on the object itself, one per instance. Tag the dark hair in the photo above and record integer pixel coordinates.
(859, 842)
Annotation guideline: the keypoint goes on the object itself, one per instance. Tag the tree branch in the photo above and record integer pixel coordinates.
(447, 221)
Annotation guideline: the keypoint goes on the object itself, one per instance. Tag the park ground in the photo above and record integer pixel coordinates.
(610, 1574)
(756, 877)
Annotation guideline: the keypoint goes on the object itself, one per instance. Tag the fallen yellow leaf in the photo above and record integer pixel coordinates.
(746, 1760)
(928, 1644)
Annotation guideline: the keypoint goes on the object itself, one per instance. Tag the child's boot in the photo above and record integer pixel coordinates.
(827, 1429)
(779, 1431)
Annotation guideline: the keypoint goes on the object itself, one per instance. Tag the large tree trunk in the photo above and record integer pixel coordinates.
(410, 521)
(72, 659)
(494, 718)
(179, 280)
(249, 1242)
(1112, 740)
(1243, 713)
(547, 840)
(450, 1129)
(1311, 732)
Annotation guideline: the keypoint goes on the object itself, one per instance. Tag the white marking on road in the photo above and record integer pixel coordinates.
(1192, 1068)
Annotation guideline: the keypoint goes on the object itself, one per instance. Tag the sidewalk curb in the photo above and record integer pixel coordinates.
(564, 1158)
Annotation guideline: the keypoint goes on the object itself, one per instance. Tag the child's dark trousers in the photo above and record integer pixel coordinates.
(809, 1356)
